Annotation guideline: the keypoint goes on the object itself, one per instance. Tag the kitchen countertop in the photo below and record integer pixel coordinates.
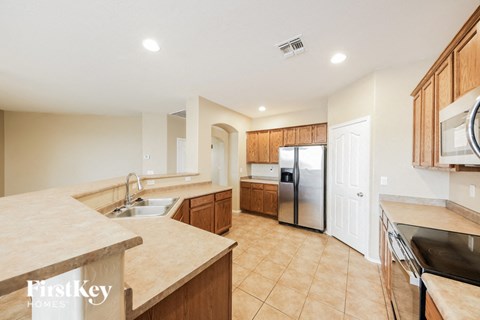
(428, 216)
(454, 299)
(176, 250)
(260, 180)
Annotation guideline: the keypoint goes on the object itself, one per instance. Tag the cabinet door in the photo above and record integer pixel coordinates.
(417, 128)
(252, 147)
(428, 111)
(467, 63)
(257, 197)
(270, 200)
(245, 196)
(289, 137)
(276, 141)
(202, 217)
(183, 213)
(319, 133)
(304, 135)
(223, 215)
(443, 97)
(263, 146)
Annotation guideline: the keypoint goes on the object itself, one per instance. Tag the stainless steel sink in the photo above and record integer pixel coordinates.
(155, 202)
(144, 208)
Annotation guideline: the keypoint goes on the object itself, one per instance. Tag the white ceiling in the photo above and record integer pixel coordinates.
(86, 56)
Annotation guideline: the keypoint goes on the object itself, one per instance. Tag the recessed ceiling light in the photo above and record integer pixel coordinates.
(151, 45)
(262, 108)
(338, 58)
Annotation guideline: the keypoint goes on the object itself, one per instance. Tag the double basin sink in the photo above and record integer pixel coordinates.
(144, 208)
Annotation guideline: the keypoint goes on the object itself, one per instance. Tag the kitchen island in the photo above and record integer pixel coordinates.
(50, 232)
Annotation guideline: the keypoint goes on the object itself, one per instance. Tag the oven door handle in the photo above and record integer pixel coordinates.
(411, 274)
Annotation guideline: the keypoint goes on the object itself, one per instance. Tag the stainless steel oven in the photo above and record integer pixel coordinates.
(406, 283)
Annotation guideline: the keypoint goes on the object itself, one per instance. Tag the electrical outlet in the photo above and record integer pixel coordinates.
(383, 181)
(241, 169)
(150, 172)
(146, 157)
(471, 190)
(150, 182)
(188, 178)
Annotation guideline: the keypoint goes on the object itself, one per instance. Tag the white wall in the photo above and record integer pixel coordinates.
(154, 143)
(202, 114)
(176, 128)
(459, 189)
(296, 118)
(52, 150)
(385, 97)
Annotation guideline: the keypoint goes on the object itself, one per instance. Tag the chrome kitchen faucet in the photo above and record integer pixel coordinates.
(128, 197)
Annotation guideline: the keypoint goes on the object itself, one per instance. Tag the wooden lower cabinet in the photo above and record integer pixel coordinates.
(258, 197)
(223, 212)
(385, 256)
(183, 213)
(208, 296)
(212, 212)
(202, 217)
(431, 311)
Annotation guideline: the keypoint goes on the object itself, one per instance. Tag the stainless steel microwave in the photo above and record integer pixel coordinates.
(459, 130)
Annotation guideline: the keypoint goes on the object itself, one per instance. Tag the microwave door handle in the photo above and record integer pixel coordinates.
(470, 125)
(413, 278)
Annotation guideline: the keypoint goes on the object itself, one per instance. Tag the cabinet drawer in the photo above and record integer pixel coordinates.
(270, 187)
(223, 195)
(258, 186)
(195, 202)
(245, 184)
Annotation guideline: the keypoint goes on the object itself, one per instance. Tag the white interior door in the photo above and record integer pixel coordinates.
(349, 146)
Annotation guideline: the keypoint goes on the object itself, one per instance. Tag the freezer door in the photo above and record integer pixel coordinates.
(311, 187)
(286, 157)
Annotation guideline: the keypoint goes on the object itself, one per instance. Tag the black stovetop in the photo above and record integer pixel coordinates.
(445, 253)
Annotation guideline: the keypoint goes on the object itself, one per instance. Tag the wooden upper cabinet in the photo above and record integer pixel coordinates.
(443, 97)
(303, 135)
(319, 133)
(263, 147)
(289, 137)
(417, 128)
(467, 63)
(252, 147)
(276, 141)
(428, 111)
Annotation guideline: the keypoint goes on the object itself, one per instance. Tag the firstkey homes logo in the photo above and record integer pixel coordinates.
(94, 294)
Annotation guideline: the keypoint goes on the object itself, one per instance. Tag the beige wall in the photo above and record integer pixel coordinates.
(2, 153)
(459, 189)
(52, 150)
(297, 118)
(176, 128)
(202, 114)
(385, 97)
(154, 143)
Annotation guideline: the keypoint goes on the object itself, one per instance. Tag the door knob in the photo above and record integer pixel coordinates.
(360, 194)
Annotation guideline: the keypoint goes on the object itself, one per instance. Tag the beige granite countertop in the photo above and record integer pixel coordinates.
(255, 180)
(45, 233)
(428, 216)
(455, 300)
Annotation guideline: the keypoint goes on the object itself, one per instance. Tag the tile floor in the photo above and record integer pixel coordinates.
(281, 272)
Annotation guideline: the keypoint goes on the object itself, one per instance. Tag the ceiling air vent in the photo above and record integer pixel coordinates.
(292, 47)
(181, 114)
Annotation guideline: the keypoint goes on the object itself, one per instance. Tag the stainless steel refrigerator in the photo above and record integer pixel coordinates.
(302, 186)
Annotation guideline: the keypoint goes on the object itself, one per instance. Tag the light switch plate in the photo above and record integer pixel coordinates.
(383, 181)
(146, 157)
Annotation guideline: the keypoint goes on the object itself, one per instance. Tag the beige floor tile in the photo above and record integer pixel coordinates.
(363, 288)
(259, 251)
(239, 274)
(286, 300)
(365, 309)
(270, 269)
(331, 278)
(280, 257)
(330, 294)
(269, 313)
(303, 265)
(248, 260)
(313, 310)
(293, 279)
(244, 306)
(257, 285)
(349, 317)
(308, 254)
